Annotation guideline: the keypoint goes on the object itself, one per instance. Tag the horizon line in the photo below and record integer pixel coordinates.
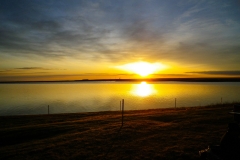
(193, 79)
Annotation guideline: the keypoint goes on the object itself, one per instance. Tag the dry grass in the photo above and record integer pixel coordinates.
(150, 134)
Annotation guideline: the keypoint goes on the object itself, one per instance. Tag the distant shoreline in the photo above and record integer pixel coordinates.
(235, 79)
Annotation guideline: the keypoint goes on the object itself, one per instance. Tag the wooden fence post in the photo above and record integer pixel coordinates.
(175, 102)
(122, 110)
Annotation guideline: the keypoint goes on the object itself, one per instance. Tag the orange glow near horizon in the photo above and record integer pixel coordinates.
(142, 68)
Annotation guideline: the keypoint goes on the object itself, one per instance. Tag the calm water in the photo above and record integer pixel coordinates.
(18, 99)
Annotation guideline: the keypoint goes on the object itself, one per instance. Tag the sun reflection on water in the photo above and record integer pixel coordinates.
(143, 89)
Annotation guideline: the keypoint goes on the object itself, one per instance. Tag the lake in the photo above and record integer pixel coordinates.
(72, 97)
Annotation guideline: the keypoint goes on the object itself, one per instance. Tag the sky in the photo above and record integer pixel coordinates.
(93, 39)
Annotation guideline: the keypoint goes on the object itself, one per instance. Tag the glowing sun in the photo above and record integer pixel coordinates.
(142, 68)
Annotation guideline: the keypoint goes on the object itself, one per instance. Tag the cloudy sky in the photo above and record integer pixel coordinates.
(74, 39)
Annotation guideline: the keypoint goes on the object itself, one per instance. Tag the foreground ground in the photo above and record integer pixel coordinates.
(171, 134)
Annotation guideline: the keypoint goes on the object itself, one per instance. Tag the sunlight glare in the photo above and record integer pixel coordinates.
(143, 89)
(142, 68)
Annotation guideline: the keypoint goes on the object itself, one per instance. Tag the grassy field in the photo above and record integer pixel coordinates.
(171, 134)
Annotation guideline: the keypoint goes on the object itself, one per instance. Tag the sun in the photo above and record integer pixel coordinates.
(142, 68)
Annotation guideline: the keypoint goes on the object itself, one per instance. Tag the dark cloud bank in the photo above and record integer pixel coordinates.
(227, 73)
(197, 31)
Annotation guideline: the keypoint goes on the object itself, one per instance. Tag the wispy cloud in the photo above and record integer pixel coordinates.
(32, 68)
(184, 31)
(237, 73)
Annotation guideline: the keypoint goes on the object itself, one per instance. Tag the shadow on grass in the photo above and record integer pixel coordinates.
(27, 134)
